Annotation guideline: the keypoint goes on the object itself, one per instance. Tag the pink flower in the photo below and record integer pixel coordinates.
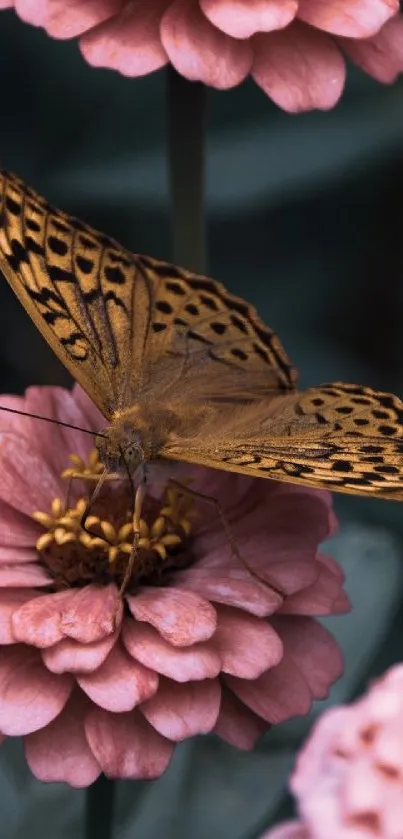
(292, 48)
(349, 776)
(98, 683)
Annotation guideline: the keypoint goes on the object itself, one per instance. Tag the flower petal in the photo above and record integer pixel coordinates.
(247, 645)
(130, 41)
(68, 19)
(60, 752)
(313, 650)
(351, 18)
(325, 596)
(231, 587)
(28, 481)
(10, 600)
(299, 68)
(237, 724)
(120, 683)
(32, 11)
(30, 696)
(276, 695)
(382, 55)
(69, 656)
(9, 555)
(179, 711)
(242, 18)
(85, 615)
(288, 830)
(181, 617)
(17, 529)
(182, 664)
(199, 51)
(126, 746)
(23, 576)
(91, 613)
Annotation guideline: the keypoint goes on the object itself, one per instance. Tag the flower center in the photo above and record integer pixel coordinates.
(92, 541)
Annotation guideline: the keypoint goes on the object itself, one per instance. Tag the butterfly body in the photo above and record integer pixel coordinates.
(181, 369)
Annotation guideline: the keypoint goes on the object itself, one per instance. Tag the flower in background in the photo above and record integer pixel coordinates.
(348, 777)
(95, 682)
(293, 49)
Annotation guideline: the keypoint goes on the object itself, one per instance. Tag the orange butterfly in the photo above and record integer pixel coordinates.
(184, 371)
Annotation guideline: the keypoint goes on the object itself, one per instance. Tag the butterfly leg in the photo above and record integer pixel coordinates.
(210, 499)
(101, 480)
(138, 505)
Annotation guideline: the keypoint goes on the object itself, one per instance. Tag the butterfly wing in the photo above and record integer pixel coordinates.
(122, 323)
(345, 438)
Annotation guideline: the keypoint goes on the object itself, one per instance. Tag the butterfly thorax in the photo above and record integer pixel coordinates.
(135, 436)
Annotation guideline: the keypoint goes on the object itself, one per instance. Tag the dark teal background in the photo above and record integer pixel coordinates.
(305, 220)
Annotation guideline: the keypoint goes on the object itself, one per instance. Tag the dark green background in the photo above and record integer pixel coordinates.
(304, 218)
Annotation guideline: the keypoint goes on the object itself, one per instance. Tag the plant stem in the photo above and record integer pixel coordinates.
(99, 809)
(186, 141)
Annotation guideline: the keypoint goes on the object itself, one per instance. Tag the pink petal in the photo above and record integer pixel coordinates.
(242, 18)
(6, 4)
(23, 576)
(38, 621)
(181, 617)
(32, 11)
(352, 18)
(382, 55)
(237, 724)
(83, 614)
(92, 613)
(125, 745)
(280, 544)
(60, 752)
(231, 587)
(179, 711)
(313, 650)
(9, 555)
(199, 51)
(67, 20)
(17, 529)
(130, 41)
(247, 645)
(289, 830)
(144, 643)
(299, 68)
(275, 696)
(56, 442)
(10, 600)
(319, 598)
(69, 656)
(30, 696)
(92, 416)
(19, 463)
(120, 683)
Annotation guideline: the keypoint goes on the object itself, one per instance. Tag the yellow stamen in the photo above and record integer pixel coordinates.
(73, 554)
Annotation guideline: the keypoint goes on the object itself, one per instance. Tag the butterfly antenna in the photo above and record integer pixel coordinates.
(54, 421)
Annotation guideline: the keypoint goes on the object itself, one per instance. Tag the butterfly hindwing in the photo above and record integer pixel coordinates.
(341, 437)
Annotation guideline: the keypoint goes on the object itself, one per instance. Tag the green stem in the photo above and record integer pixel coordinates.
(186, 141)
(99, 804)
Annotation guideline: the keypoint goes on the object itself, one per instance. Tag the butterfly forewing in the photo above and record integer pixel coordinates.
(115, 318)
(132, 329)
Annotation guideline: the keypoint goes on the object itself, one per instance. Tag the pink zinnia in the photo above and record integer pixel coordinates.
(349, 776)
(292, 48)
(97, 683)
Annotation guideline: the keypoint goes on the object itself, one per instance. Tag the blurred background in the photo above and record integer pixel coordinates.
(304, 218)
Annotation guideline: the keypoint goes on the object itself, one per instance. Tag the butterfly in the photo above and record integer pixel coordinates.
(181, 369)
